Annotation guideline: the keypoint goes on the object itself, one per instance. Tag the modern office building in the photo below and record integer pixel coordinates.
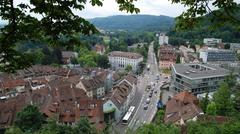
(216, 55)
(163, 39)
(196, 78)
(211, 41)
(120, 60)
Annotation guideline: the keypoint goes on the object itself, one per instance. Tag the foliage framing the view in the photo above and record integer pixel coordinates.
(57, 20)
(227, 12)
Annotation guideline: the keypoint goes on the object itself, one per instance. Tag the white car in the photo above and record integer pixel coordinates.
(148, 101)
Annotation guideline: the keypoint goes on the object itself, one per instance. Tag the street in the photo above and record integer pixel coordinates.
(141, 114)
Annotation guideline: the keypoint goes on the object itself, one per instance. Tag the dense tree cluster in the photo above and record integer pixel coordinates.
(30, 120)
(57, 21)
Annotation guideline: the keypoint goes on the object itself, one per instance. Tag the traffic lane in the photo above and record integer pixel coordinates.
(143, 87)
(151, 105)
(145, 116)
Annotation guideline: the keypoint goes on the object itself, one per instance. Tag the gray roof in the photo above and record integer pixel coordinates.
(129, 55)
(197, 70)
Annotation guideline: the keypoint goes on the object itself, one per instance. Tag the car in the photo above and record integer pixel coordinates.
(145, 107)
(150, 95)
(148, 101)
(155, 91)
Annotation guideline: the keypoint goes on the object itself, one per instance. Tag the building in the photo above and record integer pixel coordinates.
(181, 108)
(94, 87)
(119, 101)
(44, 70)
(216, 55)
(100, 49)
(67, 55)
(59, 99)
(163, 39)
(167, 56)
(235, 47)
(120, 60)
(11, 87)
(211, 41)
(196, 78)
(188, 55)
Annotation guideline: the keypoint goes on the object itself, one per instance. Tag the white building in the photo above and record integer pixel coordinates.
(235, 47)
(120, 60)
(163, 39)
(211, 41)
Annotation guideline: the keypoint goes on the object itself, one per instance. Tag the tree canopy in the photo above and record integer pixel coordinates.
(29, 119)
(57, 20)
(195, 9)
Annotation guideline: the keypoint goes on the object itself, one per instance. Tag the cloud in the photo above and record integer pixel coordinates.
(110, 7)
(153, 7)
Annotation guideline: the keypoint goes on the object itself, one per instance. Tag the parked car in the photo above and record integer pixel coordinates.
(148, 101)
(145, 107)
(150, 95)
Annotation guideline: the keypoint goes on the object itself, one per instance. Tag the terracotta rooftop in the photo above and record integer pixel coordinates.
(131, 78)
(9, 84)
(183, 106)
(44, 70)
(59, 98)
(120, 93)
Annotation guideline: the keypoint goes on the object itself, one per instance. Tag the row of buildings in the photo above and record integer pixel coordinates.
(199, 70)
(67, 93)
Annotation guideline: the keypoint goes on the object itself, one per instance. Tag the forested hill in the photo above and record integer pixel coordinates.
(134, 22)
(205, 29)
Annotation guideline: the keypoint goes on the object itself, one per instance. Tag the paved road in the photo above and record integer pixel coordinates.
(142, 116)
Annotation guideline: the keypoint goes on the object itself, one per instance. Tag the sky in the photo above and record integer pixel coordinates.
(110, 7)
(152, 7)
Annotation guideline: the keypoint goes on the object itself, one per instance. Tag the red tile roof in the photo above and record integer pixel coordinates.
(60, 99)
(183, 106)
(9, 84)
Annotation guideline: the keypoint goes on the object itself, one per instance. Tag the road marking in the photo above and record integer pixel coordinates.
(135, 114)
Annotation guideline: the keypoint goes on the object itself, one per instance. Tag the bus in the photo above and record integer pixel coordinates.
(128, 115)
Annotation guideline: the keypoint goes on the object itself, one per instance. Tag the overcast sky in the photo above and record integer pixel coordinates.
(110, 7)
(153, 7)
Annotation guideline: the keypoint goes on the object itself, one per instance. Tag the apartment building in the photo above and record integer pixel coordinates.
(163, 39)
(196, 78)
(211, 41)
(120, 60)
(167, 56)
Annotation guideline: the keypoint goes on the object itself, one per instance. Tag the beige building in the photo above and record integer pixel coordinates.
(120, 60)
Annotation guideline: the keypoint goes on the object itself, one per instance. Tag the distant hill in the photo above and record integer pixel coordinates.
(228, 33)
(134, 22)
